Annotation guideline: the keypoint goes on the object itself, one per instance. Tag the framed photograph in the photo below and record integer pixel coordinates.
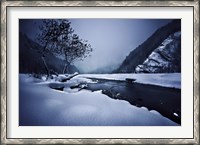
(100, 72)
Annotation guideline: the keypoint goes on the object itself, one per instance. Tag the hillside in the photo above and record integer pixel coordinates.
(164, 59)
(137, 59)
(30, 60)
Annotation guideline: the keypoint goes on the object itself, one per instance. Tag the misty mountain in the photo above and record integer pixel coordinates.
(103, 70)
(30, 58)
(160, 53)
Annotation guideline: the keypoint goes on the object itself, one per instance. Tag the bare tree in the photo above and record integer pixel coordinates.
(49, 35)
(76, 50)
(56, 36)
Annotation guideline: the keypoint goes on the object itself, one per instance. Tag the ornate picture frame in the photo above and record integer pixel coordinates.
(5, 5)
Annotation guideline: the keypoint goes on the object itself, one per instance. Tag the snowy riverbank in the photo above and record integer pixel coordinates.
(172, 80)
(39, 105)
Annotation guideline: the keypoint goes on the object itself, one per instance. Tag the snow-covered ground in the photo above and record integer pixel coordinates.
(41, 105)
(165, 79)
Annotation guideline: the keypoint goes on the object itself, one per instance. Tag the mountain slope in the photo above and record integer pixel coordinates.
(164, 59)
(30, 58)
(142, 52)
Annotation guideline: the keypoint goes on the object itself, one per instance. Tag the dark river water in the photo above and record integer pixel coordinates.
(167, 101)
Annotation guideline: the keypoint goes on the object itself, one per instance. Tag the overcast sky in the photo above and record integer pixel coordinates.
(111, 39)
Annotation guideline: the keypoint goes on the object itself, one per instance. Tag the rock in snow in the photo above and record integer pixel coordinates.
(57, 86)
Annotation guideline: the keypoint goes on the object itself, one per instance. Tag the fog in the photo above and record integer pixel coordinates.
(111, 39)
